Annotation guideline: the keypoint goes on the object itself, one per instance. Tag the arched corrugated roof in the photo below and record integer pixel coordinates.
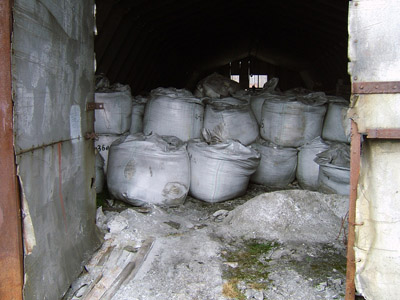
(149, 43)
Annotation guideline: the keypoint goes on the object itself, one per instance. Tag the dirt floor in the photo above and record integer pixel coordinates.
(265, 245)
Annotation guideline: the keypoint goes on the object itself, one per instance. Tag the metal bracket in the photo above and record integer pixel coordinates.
(91, 136)
(383, 134)
(383, 87)
(94, 105)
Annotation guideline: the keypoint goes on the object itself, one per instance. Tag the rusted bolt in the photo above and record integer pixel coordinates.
(377, 86)
(356, 4)
(355, 41)
(395, 87)
(361, 87)
(355, 77)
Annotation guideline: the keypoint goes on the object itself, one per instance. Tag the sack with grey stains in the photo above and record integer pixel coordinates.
(277, 167)
(216, 86)
(138, 106)
(334, 169)
(99, 163)
(234, 119)
(337, 125)
(102, 145)
(115, 118)
(220, 171)
(291, 121)
(173, 112)
(307, 169)
(149, 169)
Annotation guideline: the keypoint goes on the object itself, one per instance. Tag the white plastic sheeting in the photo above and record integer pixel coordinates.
(377, 246)
(290, 123)
(149, 169)
(334, 169)
(102, 145)
(307, 169)
(337, 124)
(99, 173)
(216, 86)
(138, 106)
(173, 112)
(221, 171)
(233, 119)
(115, 118)
(277, 166)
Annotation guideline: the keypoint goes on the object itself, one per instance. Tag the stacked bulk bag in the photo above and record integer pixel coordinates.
(337, 125)
(233, 118)
(115, 118)
(220, 171)
(103, 143)
(277, 167)
(99, 163)
(216, 86)
(138, 106)
(257, 100)
(307, 169)
(334, 169)
(291, 121)
(173, 112)
(149, 169)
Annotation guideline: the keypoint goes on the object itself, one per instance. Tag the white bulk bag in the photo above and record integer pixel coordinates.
(216, 86)
(149, 169)
(138, 106)
(277, 166)
(174, 115)
(102, 145)
(334, 169)
(221, 171)
(337, 124)
(99, 163)
(115, 118)
(233, 118)
(307, 169)
(292, 121)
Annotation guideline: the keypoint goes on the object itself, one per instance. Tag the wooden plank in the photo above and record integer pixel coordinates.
(11, 261)
(355, 154)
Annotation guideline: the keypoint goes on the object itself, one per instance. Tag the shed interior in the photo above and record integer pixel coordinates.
(148, 44)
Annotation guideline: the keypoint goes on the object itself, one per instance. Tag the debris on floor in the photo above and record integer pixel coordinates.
(277, 245)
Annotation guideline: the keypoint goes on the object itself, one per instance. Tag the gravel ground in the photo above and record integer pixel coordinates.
(264, 245)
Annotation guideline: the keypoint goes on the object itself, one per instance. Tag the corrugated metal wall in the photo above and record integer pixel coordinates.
(53, 65)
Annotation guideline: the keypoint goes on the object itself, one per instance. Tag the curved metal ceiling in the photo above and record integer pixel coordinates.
(149, 43)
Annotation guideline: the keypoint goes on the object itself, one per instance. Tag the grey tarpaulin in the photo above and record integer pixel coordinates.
(149, 169)
(278, 165)
(307, 169)
(334, 169)
(221, 171)
(234, 119)
(173, 112)
(291, 121)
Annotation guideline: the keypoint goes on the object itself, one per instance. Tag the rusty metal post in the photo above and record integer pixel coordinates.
(11, 266)
(355, 157)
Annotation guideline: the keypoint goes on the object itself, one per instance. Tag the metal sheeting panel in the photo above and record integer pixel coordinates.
(52, 70)
(377, 245)
(52, 81)
(374, 26)
(373, 50)
(59, 216)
